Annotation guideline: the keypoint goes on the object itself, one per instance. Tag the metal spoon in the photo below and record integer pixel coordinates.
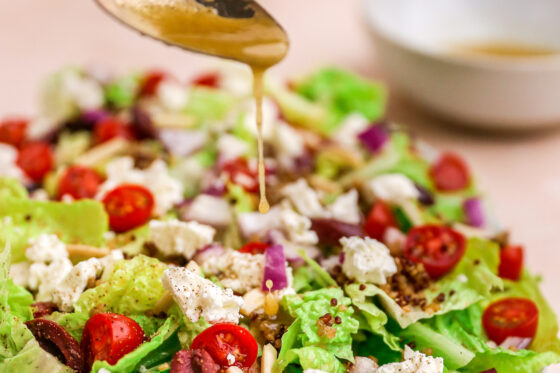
(237, 29)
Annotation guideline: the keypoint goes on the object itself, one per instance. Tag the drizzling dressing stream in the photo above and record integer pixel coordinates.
(240, 30)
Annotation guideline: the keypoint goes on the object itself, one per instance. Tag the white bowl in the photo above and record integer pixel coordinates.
(417, 41)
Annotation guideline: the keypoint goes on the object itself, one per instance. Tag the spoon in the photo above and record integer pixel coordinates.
(236, 29)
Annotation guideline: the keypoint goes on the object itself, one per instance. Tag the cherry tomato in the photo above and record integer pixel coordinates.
(109, 336)
(379, 219)
(450, 173)
(128, 206)
(13, 131)
(79, 182)
(254, 248)
(211, 80)
(510, 317)
(221, 340)
(35, 159)
(151, 82)
(511, 262)
(110, 128)
(438, 248)
(239, 173)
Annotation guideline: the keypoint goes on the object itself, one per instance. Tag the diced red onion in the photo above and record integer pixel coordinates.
(182, 142)
(291, 250)
(374, 137)
(517, 342)
(474, 212)
(330, 231)
(275, 268)
(208, 252)
(341, 257)
(216, 189)
(94, 116)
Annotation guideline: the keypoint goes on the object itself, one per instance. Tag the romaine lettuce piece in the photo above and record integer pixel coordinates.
(133, 288)
(122, 93)
(12, 188)
(313, 358)
(73, 322)
(33, 359)
(78, 222)
(208, 105)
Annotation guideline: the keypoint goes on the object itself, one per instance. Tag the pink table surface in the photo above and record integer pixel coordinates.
(520, 173)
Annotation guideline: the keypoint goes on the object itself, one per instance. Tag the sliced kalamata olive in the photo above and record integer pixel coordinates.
(142, 124)
(330, 231)
(424, 196)
(193, 361)
(58, 342)
(41, 309)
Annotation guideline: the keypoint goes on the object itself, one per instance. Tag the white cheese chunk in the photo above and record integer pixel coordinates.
(166, 190)
(175, 237)
(8, 167)
(345, 208)
(367, 260)
(239, 271)
(347, 132)
(173, 95)
(257, 224)
(298, 227)
(46, 248)
(75, 282)
(231, 147)
(288, 144)
(198, 297)
(19, 272)
(394, 188)
(269, 119)
(207, 209)
(46, 278)
(414, 362)
(304, 198)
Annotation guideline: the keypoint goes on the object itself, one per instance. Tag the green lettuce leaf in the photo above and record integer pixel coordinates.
(209, 105)
(313, 358)
(473, 279)
(133, 288)
(12, 188)
(14, 311)
(22, 219)
(309, 307)
(122, 93)
(33, 359)
(73, 323)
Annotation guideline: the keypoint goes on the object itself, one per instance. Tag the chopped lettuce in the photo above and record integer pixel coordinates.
(122, 93)
(73, 323)
(33, 359)
(22, 219)
(15, 310)
(317, 273)
(313, 358)
(12, 188)
(309, 307)
(472, 280)
(70, 146)
(209, 105)
(133, 288)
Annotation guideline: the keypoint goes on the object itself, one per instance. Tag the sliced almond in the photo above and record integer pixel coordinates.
(252, 301)
(103, 152)
(269, 356)
(86, 251)
(163, 304)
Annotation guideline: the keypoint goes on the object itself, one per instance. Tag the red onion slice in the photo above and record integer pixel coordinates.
(374, 137)
(182, 142)
(474, 212)
(275, 268)
(208, 252)
(330, 231)
(517, 342)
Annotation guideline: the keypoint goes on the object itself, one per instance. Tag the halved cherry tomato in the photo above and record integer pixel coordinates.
(13, 131)
(437, 247)
(109, 336)
(254, 248)
(510, 317)
(450, 173)
(79, 182)
(111, 128)
(128, 206)
(221, 340)
(239, 173)
(511, 262)
(379, 219)
(211, 80)
(151, 82)
(35, 159)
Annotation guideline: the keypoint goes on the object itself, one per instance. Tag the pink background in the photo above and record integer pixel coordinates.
(520, 172)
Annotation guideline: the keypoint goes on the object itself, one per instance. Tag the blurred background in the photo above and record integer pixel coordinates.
(518, 169)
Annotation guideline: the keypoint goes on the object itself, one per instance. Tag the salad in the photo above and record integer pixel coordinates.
(130, 239)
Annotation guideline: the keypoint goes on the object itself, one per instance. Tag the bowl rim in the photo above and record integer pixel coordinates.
(528, 64)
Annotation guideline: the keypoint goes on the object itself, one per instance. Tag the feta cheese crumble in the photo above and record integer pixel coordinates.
(8, 167)
(304, 198)
(347, 132)
(166, 190)
(172, 95)
(207, 209)
(345, 208)
(394, 188)
(414, 362)
(367, 260)
(198, 297)
(75, 282)
(46, 248)
(298, 227)
(230, 147)
(176, 237)
(241, 272)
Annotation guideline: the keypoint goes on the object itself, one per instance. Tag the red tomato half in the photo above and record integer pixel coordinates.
(254, 248)
(111, 128)
(128, 206)
(35, 159)
(221, 340)
(109, 336)
(510, 317)
(438, 248)
(379, 219)
(151, 82)
(511, 262)
(450, 173)
(211, 80)
(13, 131)
(239, 173)
(79, 182)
